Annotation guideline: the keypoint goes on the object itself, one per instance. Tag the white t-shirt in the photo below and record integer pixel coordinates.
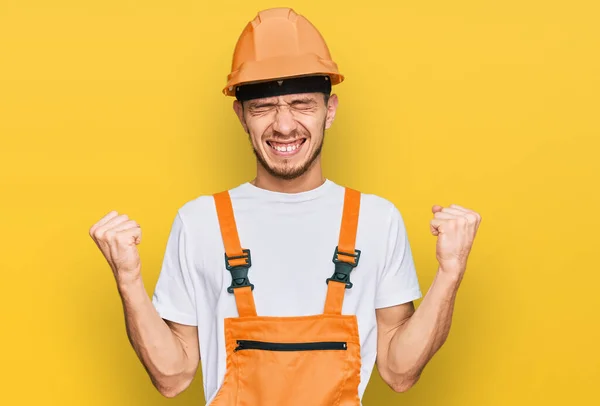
(292, 238)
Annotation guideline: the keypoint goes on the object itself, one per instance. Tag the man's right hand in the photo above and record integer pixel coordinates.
(169, 351)
(117, 237)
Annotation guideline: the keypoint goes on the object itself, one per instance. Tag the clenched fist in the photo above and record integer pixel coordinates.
(455, 227)
(117, 237)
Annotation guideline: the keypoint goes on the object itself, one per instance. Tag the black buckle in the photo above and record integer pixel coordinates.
(239, 273)
(342, 268)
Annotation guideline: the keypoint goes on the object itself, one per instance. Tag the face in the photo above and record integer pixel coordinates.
(287, 131)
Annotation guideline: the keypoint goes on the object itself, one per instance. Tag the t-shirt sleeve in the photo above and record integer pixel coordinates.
(398, 283)
(174, 297)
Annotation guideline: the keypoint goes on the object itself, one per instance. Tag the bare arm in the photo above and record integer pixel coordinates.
(169, 351)
(408, 339)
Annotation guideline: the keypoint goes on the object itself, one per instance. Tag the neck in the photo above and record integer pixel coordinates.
(311, 179)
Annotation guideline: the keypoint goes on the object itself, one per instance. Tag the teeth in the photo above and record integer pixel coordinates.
(288, 148)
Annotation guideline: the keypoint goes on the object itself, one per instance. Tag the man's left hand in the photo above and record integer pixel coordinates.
(455, 227)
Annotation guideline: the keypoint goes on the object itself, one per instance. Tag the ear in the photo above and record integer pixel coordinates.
(332, 105)
(239, 111)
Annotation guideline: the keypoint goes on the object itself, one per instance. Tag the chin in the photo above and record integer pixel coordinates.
(287, 166)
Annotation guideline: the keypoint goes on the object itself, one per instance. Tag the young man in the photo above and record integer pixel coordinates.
(289, 288)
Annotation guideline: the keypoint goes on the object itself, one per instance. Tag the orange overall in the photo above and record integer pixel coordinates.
(291, 361)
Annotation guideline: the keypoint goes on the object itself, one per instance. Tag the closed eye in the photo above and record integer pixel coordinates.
(303, 104)
(300, 104)
(262, 108)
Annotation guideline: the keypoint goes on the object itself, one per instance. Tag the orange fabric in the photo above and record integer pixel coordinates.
(244, 300)
(243, 296)
(349, 224)
(231, 240)
(347, 241)
(279, 43)
(292, 377)
(346, 258)
(335, 298)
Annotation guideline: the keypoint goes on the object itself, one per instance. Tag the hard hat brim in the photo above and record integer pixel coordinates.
(281, 68)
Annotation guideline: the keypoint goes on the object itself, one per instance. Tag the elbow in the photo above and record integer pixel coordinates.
(403, 384)
(170, 386)
(168, 392)
(171, 389)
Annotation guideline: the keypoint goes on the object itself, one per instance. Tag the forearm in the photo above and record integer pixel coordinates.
(157, 347)
(416, 341)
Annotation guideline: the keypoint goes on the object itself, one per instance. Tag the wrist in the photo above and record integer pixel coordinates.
(456, 268)
(128, 281)
(450, 275)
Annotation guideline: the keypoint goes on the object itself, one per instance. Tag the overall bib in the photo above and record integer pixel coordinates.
(291, 361)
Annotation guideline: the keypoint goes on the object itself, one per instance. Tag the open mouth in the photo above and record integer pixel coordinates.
(287, 148)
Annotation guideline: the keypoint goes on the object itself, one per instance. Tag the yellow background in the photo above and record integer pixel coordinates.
(489, 104)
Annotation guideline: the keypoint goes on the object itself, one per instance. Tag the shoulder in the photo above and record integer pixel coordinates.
(377, 213)
(378, 208)
(376, 204)
(201, 208)
(381, 211)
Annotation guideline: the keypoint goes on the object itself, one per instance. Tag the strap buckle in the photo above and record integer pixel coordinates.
(343, 268)
(239, 273)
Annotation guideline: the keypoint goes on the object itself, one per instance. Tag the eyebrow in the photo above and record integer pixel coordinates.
(303, 100)
(266, 103)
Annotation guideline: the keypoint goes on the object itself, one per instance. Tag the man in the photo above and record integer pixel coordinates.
(289, 288)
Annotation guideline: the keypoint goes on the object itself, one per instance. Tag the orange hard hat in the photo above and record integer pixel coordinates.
(277, 44)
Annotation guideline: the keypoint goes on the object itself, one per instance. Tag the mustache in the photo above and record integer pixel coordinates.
(274, 135)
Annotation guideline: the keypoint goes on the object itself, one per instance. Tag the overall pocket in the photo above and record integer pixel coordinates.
(291, 373)
(270, 346)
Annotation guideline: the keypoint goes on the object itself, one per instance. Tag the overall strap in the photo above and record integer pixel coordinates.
(345, 256)
(237, 260)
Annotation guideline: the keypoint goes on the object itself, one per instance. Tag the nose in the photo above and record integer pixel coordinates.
(284, 122)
